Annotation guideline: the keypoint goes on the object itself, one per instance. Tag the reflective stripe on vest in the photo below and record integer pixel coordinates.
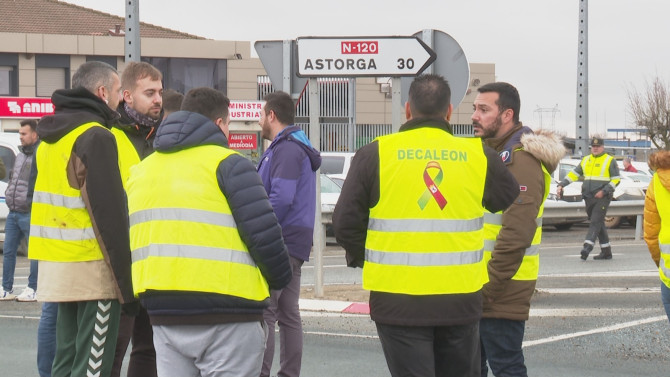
(596, 169)
(530, 265)
(425, 233)
(60, 226)
(663, 204)
(195, 246)
(128, 156)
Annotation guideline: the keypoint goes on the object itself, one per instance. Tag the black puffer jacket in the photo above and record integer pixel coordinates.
(256, 223)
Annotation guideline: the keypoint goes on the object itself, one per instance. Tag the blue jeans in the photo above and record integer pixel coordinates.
(17, 227)
(46, 338)
(665, 296)
(501, 341)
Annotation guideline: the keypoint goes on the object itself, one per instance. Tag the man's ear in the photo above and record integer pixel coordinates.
(408, 111)
(126, 97)
(449, 111)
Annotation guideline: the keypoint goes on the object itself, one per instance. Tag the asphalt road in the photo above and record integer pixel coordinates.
(593, 318)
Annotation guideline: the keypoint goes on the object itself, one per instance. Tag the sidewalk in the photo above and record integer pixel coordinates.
(344, 298)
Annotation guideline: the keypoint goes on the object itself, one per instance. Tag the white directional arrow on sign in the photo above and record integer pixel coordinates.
(362, 56)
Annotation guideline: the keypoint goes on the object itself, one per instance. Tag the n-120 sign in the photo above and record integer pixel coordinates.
(362, 56)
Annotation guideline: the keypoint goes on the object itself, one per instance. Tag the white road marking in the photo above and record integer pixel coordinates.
(619, 326)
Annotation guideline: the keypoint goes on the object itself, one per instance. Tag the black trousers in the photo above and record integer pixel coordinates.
(431, 351)
(143, 355)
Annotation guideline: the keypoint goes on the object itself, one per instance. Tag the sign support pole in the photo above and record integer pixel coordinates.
(319, 240)
(396, 104)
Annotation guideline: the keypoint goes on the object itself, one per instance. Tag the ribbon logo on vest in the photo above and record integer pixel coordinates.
(432, 189)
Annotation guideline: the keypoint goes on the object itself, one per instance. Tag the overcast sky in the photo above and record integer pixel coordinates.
(533, 43)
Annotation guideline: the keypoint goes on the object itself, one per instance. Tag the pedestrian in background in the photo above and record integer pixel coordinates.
(79, 222)
(411, 214)
(141, 113)
(19, 198)
(601, 176)
(628, 166)
(657, 221)
(288, 170)
(171, 101)
(512, 237)
(206, 245)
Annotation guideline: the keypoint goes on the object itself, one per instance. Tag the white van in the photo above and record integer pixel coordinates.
(336, 164)
(9, 148)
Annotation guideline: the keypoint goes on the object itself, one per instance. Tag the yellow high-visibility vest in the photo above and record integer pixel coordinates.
(183, 236)
(425, 234)
(530, 266)
(60, 225)
(128, 156)
(663, 205)
(596, 169)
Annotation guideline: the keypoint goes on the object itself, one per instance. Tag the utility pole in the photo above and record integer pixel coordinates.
(582, 109)
(132, 38)
(550, 110)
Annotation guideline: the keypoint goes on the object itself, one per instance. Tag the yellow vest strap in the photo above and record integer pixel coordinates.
(182, 214)
(71, 202)
(423, 259)
(425, 225)
(194, 252)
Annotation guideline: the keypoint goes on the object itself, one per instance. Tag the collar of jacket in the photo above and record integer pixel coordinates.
(29, 149)
(427, 122)
(503, 142)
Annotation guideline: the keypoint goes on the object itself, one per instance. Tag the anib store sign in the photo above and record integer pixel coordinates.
(243, 141)
(25, 107)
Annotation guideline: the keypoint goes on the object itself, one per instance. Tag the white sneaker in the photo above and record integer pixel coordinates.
(7, 296)
(28, 295)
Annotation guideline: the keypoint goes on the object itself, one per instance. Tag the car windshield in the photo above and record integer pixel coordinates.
(332, 164)
(328, 186)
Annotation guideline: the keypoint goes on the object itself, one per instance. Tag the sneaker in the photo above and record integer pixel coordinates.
(7, 296)
(28, 295)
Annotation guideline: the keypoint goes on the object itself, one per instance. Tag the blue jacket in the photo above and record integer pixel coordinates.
(288, 170)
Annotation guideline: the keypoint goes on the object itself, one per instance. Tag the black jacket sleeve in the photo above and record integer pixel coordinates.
(500, 188)
(255, 219)
(103, 192)
(360, 192)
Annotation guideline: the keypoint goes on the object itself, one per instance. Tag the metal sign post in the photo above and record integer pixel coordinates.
(132, 38)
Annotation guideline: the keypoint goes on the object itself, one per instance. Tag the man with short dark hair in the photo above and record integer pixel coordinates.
(288, 170)
(19, 197)
(141, 114)
(206, 246)
(411, 214)
(512, 237)
(601, 177)
(79, 222)
(172, 100)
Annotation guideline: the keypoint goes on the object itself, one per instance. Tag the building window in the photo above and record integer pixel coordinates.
(9, 85)
(182, 74)
(111, 60)
(52, 72)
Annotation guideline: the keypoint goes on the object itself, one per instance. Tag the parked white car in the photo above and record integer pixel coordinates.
(9, 148)
(336, 164)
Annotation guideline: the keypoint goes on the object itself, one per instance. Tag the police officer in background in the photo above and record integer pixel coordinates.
(601, 176)
(411, 214)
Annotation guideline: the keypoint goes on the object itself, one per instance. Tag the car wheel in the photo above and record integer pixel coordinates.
(612, 222)
(563, 226)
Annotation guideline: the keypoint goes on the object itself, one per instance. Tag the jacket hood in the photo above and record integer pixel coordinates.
(660, 163)
(74, 107)
(295, 133)
(546, 146)
(185, 129)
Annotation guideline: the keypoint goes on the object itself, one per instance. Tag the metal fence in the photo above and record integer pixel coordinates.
(339, 132)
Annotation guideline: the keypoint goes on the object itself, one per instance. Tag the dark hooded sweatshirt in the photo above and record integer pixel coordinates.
(93, 168)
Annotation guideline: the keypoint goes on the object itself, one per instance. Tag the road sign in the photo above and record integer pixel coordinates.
(362, 56)
(278, 58)
(451, 64)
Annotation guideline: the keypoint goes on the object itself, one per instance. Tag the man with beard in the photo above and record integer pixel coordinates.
(141, 113)
(79, 222)
(512, 236)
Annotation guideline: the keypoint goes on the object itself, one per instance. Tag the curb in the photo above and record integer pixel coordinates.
(334, 306)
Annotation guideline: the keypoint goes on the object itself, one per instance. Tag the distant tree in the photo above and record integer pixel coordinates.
(650, 109)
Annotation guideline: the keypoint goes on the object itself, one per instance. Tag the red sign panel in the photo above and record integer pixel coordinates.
(243, 141)
(25, 107)
(360, 47)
